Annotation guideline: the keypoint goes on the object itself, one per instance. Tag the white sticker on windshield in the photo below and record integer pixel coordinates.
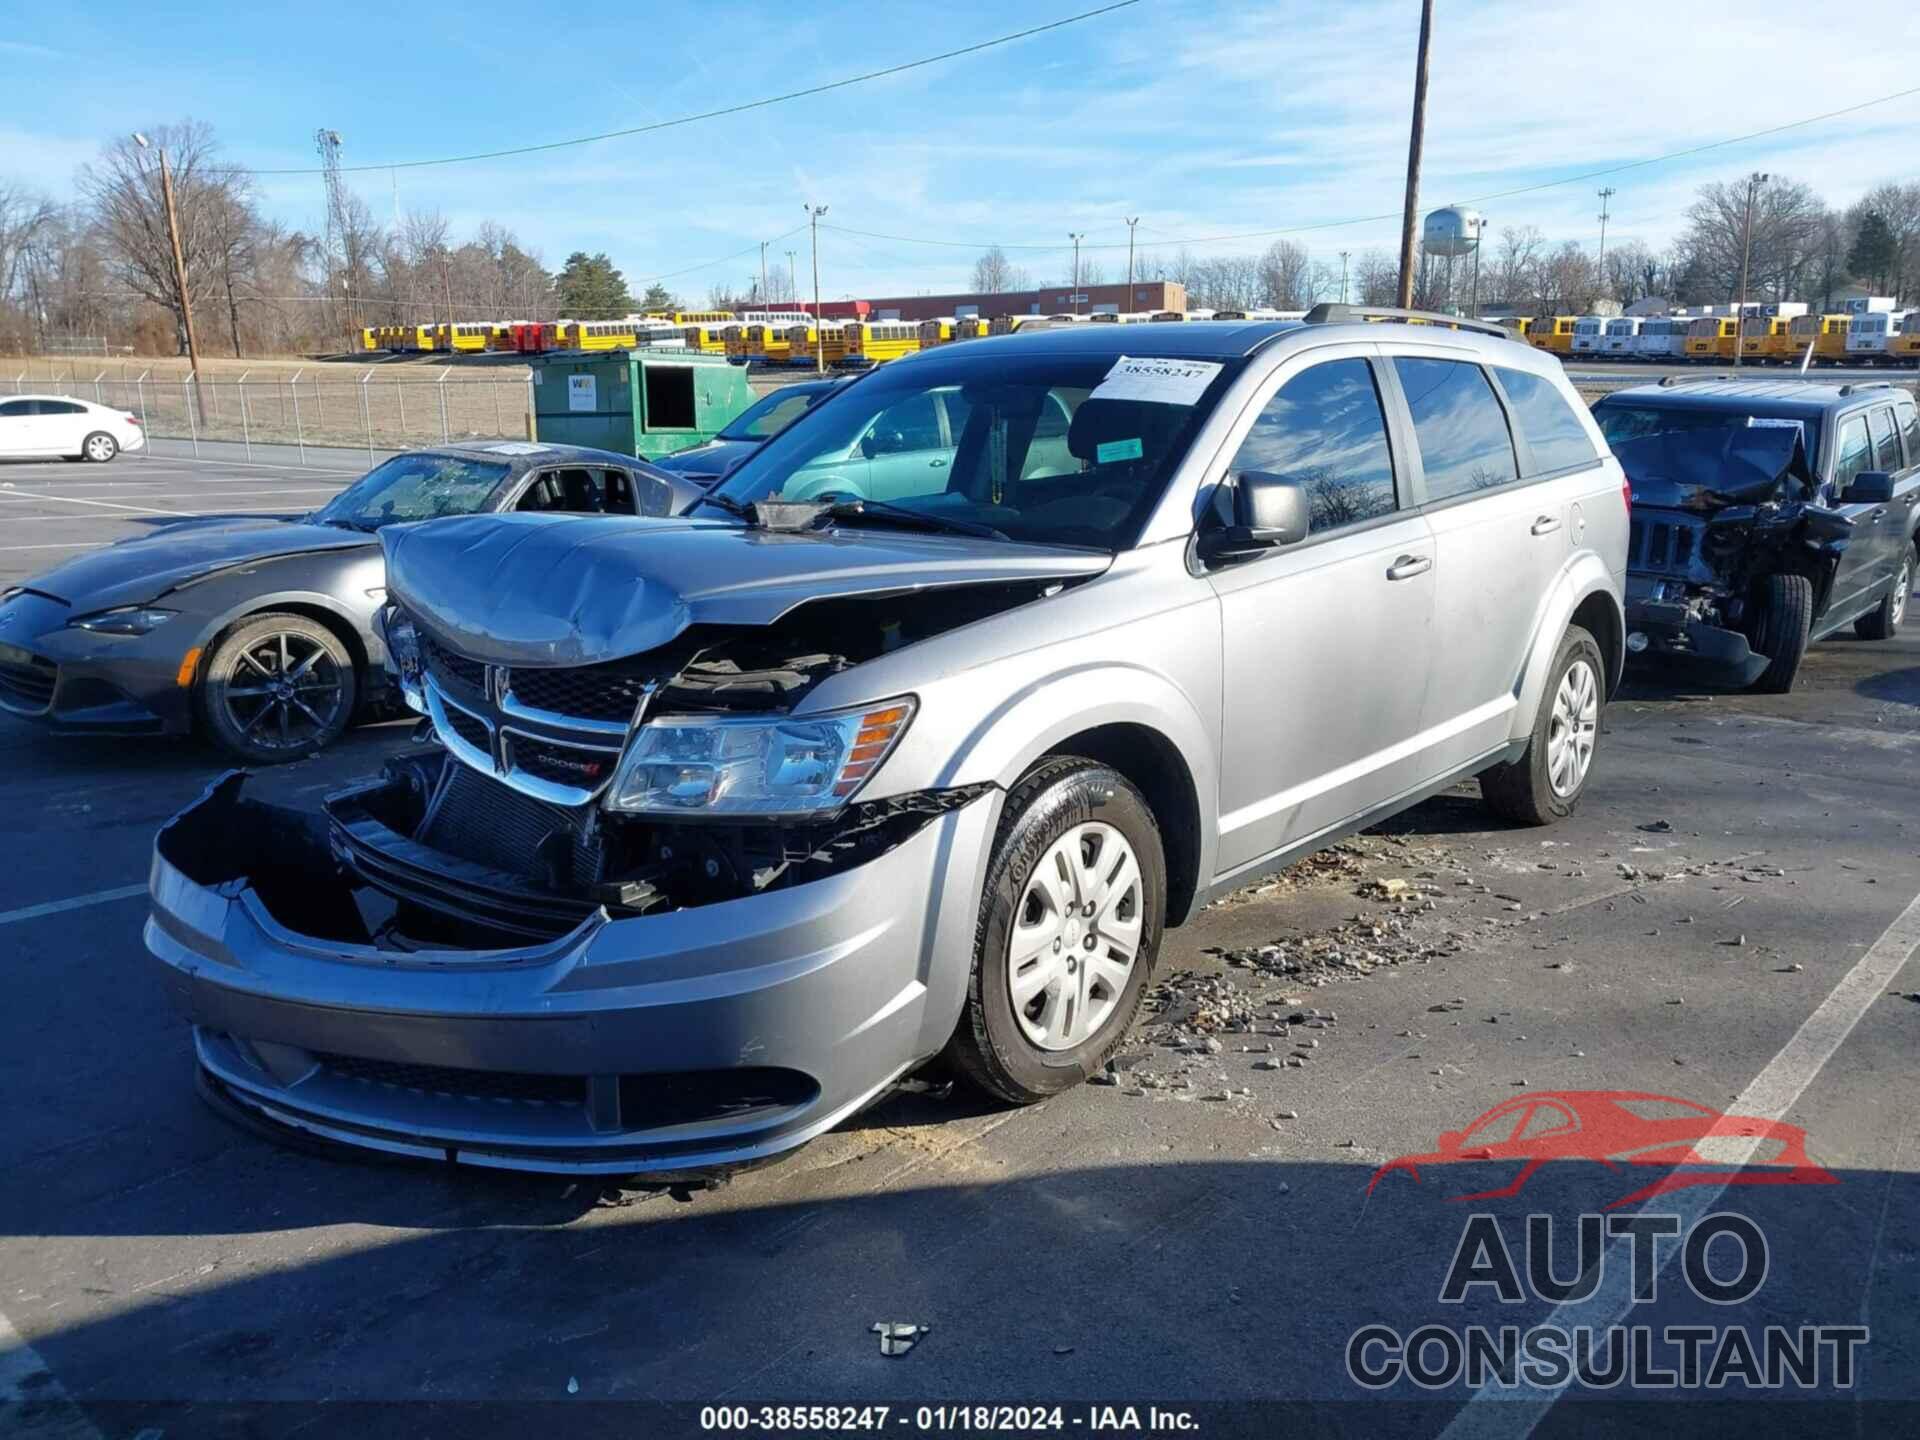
(1769, 422)
(1165, 382)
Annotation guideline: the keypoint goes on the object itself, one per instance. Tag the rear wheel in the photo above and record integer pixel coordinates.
(1547, 781)
(100, 447)
(1884, 622)
(1068, 932)
(277, 687)
(1783, 618)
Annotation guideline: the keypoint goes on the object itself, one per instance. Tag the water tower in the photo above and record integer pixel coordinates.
(1451, 232)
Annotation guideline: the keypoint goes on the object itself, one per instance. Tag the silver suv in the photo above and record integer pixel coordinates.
(910, 740)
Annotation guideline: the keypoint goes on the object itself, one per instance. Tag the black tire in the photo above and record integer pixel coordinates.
(990, 1047)
(1884, 622)
(1782, 620)
(1523, 790)
(99, 447)
(272, 724)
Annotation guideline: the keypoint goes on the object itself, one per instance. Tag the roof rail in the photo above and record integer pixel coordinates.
(1854, 387)
(1329, 314)
(1667, 380)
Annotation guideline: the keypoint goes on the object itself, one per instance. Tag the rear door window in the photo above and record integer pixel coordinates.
(1325, 430)
(1555, 436)
(1910, 426)
(1460, 427)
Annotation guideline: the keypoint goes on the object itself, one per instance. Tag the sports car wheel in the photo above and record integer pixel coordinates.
(100, 447)
(277, 687)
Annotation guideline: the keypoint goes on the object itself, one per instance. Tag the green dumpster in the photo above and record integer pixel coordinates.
(636, 402)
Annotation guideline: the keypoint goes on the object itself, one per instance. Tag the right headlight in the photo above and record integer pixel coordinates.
(403, 655)
(756, 765)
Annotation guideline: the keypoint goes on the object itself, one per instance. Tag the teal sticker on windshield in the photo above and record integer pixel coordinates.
(1110, 450)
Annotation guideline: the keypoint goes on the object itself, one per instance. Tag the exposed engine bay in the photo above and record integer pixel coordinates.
(1714, 512)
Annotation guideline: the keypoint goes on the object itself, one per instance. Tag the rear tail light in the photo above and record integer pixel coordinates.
(131, 417)
(1626, 492)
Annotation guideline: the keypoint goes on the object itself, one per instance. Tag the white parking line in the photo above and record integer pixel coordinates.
(253, 464)
(71, 500)
(64, 545)
(78, 902)
(1769, 1095)
(180, 494)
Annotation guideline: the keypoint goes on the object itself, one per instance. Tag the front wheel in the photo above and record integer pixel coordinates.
(1067, 935)
(1547, 781)
(1883, 623)
(99, 447)
(1781, 625)
(277, 687)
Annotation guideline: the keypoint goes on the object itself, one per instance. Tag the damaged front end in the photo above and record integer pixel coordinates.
(631, 914)
(1715, 512)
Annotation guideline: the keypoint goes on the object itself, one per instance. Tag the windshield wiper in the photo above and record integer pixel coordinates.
(345, 524)
(839, 506)
(726, 503)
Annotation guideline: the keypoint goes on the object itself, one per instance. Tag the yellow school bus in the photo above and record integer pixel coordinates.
(873, 342)
(1905, 345)
(1552, 333)
(765, 344)
(935, 332)
(807, 343)
(598, 335)
(1711, 338)
(971, 328)
(709, 339)
(370, 340)
(1756, 333)
(1522, 326)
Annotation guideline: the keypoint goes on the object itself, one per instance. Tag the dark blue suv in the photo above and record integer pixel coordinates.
(1767, 514)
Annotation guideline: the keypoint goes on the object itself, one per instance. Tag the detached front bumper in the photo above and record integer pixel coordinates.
(1673, 632)
(668, 1043)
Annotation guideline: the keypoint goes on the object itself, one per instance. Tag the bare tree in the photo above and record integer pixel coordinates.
(1896, 207)
(1514, 275)
(1787, 225)
(1376, 278)
(1285, 276)
(994, 274)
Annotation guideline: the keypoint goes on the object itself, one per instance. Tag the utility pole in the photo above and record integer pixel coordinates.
(1479, 239)
(1605, 195)
(1754, 182)
(1076, 237)
(179, 274)
(1343, 275)
(814, 212)
(763, 272)
(1135, 220)
(1415, 141)
(793, 279)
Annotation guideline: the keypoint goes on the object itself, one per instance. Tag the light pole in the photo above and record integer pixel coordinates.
(1754, 182)
(1343, 275)
(763, 272)
(1135, 220)
(1605, 195)
(1076, 237)
(179, 273)
(1415, 139)
(793, 280)
(1479, 238)
(814, 212)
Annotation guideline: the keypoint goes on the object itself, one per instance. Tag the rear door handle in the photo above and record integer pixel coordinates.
(1408, 566)
(1546, 524)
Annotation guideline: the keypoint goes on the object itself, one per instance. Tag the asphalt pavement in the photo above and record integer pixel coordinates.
(1726, 923)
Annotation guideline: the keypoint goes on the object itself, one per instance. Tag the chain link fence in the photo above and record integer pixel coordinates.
(321, 408)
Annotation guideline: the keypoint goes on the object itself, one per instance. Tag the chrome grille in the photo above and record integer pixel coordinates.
(444, 664)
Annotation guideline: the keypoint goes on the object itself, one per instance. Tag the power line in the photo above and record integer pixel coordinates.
(901, 68)
(1395, 214)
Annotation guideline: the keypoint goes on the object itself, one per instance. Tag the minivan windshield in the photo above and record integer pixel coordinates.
(421, 486)
(1053, 447)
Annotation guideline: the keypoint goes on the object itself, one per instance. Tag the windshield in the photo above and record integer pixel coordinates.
(1048, 447)
(1621, 423)
(413, 487)
(770, 416)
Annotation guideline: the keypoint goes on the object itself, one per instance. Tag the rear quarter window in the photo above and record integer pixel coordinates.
(1460, 427)
(1554, 433)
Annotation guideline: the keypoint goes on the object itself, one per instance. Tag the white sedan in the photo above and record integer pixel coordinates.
(32, 425)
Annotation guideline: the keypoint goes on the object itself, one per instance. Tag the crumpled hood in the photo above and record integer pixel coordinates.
(147, 567)
(578, 589)
(1709, 469)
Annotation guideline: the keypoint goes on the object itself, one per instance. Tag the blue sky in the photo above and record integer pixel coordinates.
(1202, 119)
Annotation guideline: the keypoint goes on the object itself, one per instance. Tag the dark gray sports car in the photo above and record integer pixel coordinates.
(260, 631)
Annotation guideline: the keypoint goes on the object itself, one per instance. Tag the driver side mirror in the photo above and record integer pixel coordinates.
(1268, 511)
(1870, 487)
(875, 442)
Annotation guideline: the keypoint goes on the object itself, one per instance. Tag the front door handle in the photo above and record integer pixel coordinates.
(1878, 515)
(1546, 524)
(1408, 566)
(936, 464)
